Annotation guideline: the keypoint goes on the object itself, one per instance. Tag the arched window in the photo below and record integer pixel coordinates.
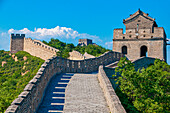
(124, 49)
(143, 51)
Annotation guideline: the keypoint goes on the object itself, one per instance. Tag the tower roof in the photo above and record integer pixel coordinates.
(136, 14)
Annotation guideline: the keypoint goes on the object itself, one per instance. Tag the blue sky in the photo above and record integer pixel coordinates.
(69, 20)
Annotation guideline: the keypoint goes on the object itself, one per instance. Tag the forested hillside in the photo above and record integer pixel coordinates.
(145, 90)
(15, 74)
(64, 48)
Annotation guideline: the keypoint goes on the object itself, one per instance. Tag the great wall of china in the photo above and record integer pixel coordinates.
(34, 47)
(32, 96)
(83, 90)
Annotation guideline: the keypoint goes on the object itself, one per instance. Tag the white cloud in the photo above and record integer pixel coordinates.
(57, 32)
(109, 44)
(62, 33)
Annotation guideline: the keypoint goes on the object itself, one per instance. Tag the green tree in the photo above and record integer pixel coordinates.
(148, 88)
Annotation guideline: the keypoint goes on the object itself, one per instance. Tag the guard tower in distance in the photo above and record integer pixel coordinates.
(17, 43)
(142, 38)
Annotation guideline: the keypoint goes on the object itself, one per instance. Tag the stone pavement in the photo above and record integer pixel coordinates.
(74, 93)
(84, 95)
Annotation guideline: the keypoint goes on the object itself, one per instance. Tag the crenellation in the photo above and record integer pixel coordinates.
(24, 94)
(29, 87)
(17, 101)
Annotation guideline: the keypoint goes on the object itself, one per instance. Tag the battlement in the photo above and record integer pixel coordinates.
(17, 35)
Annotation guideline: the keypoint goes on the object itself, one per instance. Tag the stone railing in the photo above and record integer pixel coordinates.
(29, 100)
(109, 93)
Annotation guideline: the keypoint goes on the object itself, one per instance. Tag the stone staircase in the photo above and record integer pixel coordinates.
(54, 97)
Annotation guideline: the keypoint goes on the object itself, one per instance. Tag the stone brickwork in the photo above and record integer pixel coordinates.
(109, 93)
(29, 100)
(34, 47)
(142, 37)
(84, 95)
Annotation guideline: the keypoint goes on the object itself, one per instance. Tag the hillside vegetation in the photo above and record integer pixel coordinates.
(145, 90)
(64, 48)
(15, 75)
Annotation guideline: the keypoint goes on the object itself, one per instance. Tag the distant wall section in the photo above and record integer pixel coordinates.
(17, 43)
(34, 47)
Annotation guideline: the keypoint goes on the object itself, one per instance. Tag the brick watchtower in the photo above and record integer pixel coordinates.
(17, 43)
(142, 37)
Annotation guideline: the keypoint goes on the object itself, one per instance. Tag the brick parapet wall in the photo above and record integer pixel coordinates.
(29, 100)
(109, 93)
(39, 49)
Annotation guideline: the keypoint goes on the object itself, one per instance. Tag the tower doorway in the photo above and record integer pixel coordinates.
(143, 51)
(124, 49)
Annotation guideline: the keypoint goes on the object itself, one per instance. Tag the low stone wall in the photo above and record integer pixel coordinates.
(29, 100)
(109, 93)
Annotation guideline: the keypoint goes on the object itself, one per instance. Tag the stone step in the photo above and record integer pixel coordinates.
(60, 87)
(57, 103)
(62, 82)
(65, 79)
(58, 97)
(66, 76)
(58, 92)
(55, 111)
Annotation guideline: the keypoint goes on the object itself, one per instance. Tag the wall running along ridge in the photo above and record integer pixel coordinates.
(29, 100)
(34, 47)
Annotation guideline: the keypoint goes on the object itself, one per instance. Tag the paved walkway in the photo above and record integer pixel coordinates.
(84, 95)
(74, 93)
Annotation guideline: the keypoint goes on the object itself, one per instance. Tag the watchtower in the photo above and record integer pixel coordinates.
(17, 43)
(85, 42)
(142, 38)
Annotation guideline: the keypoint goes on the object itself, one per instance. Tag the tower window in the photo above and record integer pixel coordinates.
(138, 20)
(151, 36)
(123, 37)
(143, 35)
(137, 27)
(144, 31)
(130, 31)
(124, 49)
(130, 36)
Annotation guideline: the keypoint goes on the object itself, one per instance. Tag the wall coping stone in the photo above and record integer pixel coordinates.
(29, 87)
(18, 101)
(24, 94)
(12, 109)
(33, 81)
(38, 77)
(40, 73)
(41, 69)
(44, 65)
